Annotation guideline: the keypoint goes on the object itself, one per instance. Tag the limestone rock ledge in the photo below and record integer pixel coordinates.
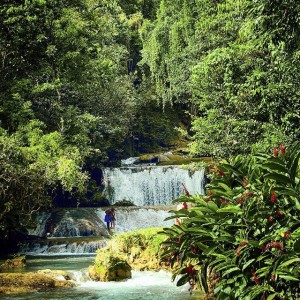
(11, 283)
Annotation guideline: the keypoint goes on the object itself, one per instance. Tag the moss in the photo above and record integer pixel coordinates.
(32, 281)
(15, 263)
(140, 248)
(110, 267)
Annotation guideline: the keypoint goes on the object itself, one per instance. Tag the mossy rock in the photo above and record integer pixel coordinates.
(140, 248)
(15, 263)
(109, 267)
(31, 281)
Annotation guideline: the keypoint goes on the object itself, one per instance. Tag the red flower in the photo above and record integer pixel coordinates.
(191, 270)
(221, 173)
(270, 219)
(243, 243)
(186, 192)
(279, 213)
(210, 193)
(287, 234)
(273, 276)
(282, 149)
(239, 201)
(273, 196)
(224, 201)
(249, 194)
(276, 245)
(275, 152)
(256, 279)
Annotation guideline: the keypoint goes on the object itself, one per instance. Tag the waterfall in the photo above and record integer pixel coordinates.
(82, 230)
(151, 185)
(62, 247)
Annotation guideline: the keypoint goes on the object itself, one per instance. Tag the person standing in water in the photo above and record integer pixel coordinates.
(112, 218)
(107, 218)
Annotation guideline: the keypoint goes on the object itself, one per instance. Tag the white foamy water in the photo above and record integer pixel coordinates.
(155, 185)
(132, 218)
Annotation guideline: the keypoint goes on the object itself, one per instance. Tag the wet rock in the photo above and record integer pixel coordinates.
(11, 283)
(15, 263)
(109, 267)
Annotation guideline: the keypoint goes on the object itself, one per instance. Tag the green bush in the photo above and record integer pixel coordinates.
(246, 229)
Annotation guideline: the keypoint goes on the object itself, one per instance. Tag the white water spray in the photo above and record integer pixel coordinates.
(153, 185)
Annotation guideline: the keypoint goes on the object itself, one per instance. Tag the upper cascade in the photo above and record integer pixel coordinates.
(151, 185)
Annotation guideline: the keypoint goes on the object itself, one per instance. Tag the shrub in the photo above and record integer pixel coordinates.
(246, 229)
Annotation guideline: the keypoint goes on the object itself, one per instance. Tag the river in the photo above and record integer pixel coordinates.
(142, 286)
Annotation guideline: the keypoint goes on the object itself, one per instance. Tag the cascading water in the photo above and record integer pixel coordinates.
(82, 230)
(65, 234)
(151, 185)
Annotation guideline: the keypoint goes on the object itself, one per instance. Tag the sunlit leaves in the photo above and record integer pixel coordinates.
(246, 228)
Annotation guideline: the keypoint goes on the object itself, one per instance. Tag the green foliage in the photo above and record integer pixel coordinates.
(235, 65)
(245, 229)
(31, 162)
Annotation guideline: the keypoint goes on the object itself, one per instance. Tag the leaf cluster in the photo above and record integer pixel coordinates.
(244, 231)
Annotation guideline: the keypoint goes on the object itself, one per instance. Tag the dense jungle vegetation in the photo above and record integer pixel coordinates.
(84, 83)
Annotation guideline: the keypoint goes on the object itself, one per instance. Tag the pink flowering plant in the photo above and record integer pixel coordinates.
(242, 239)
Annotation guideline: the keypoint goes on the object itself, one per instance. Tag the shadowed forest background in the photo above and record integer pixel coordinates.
(86, 83)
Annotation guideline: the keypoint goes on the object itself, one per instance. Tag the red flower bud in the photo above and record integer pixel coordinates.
(275, 245)
(221, 173)
(273, 196)
(282, 149)
(191, 270)
(275, 152)
(273, 276)
(243, 243)
(287, 234)
(186, 192)
(224, 201)
(239, 201)
(256, 279)
(238, 251)
(279, 213)
(270, 219)
(249, 194)
(245, 182)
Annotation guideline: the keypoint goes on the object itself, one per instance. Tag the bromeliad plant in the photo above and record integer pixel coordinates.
(245, 230)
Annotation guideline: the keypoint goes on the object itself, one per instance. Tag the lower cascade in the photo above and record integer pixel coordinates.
(151, 185)
(83, 231)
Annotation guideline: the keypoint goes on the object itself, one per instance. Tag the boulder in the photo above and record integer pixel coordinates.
(32, 281)
(109, 267)
(15, 263)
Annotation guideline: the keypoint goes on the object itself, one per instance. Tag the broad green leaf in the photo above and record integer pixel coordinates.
(289, 277)
(291, 261)
(230, 271)
(248, 263)
(278, 177)
(230, 209)
(183, 280)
